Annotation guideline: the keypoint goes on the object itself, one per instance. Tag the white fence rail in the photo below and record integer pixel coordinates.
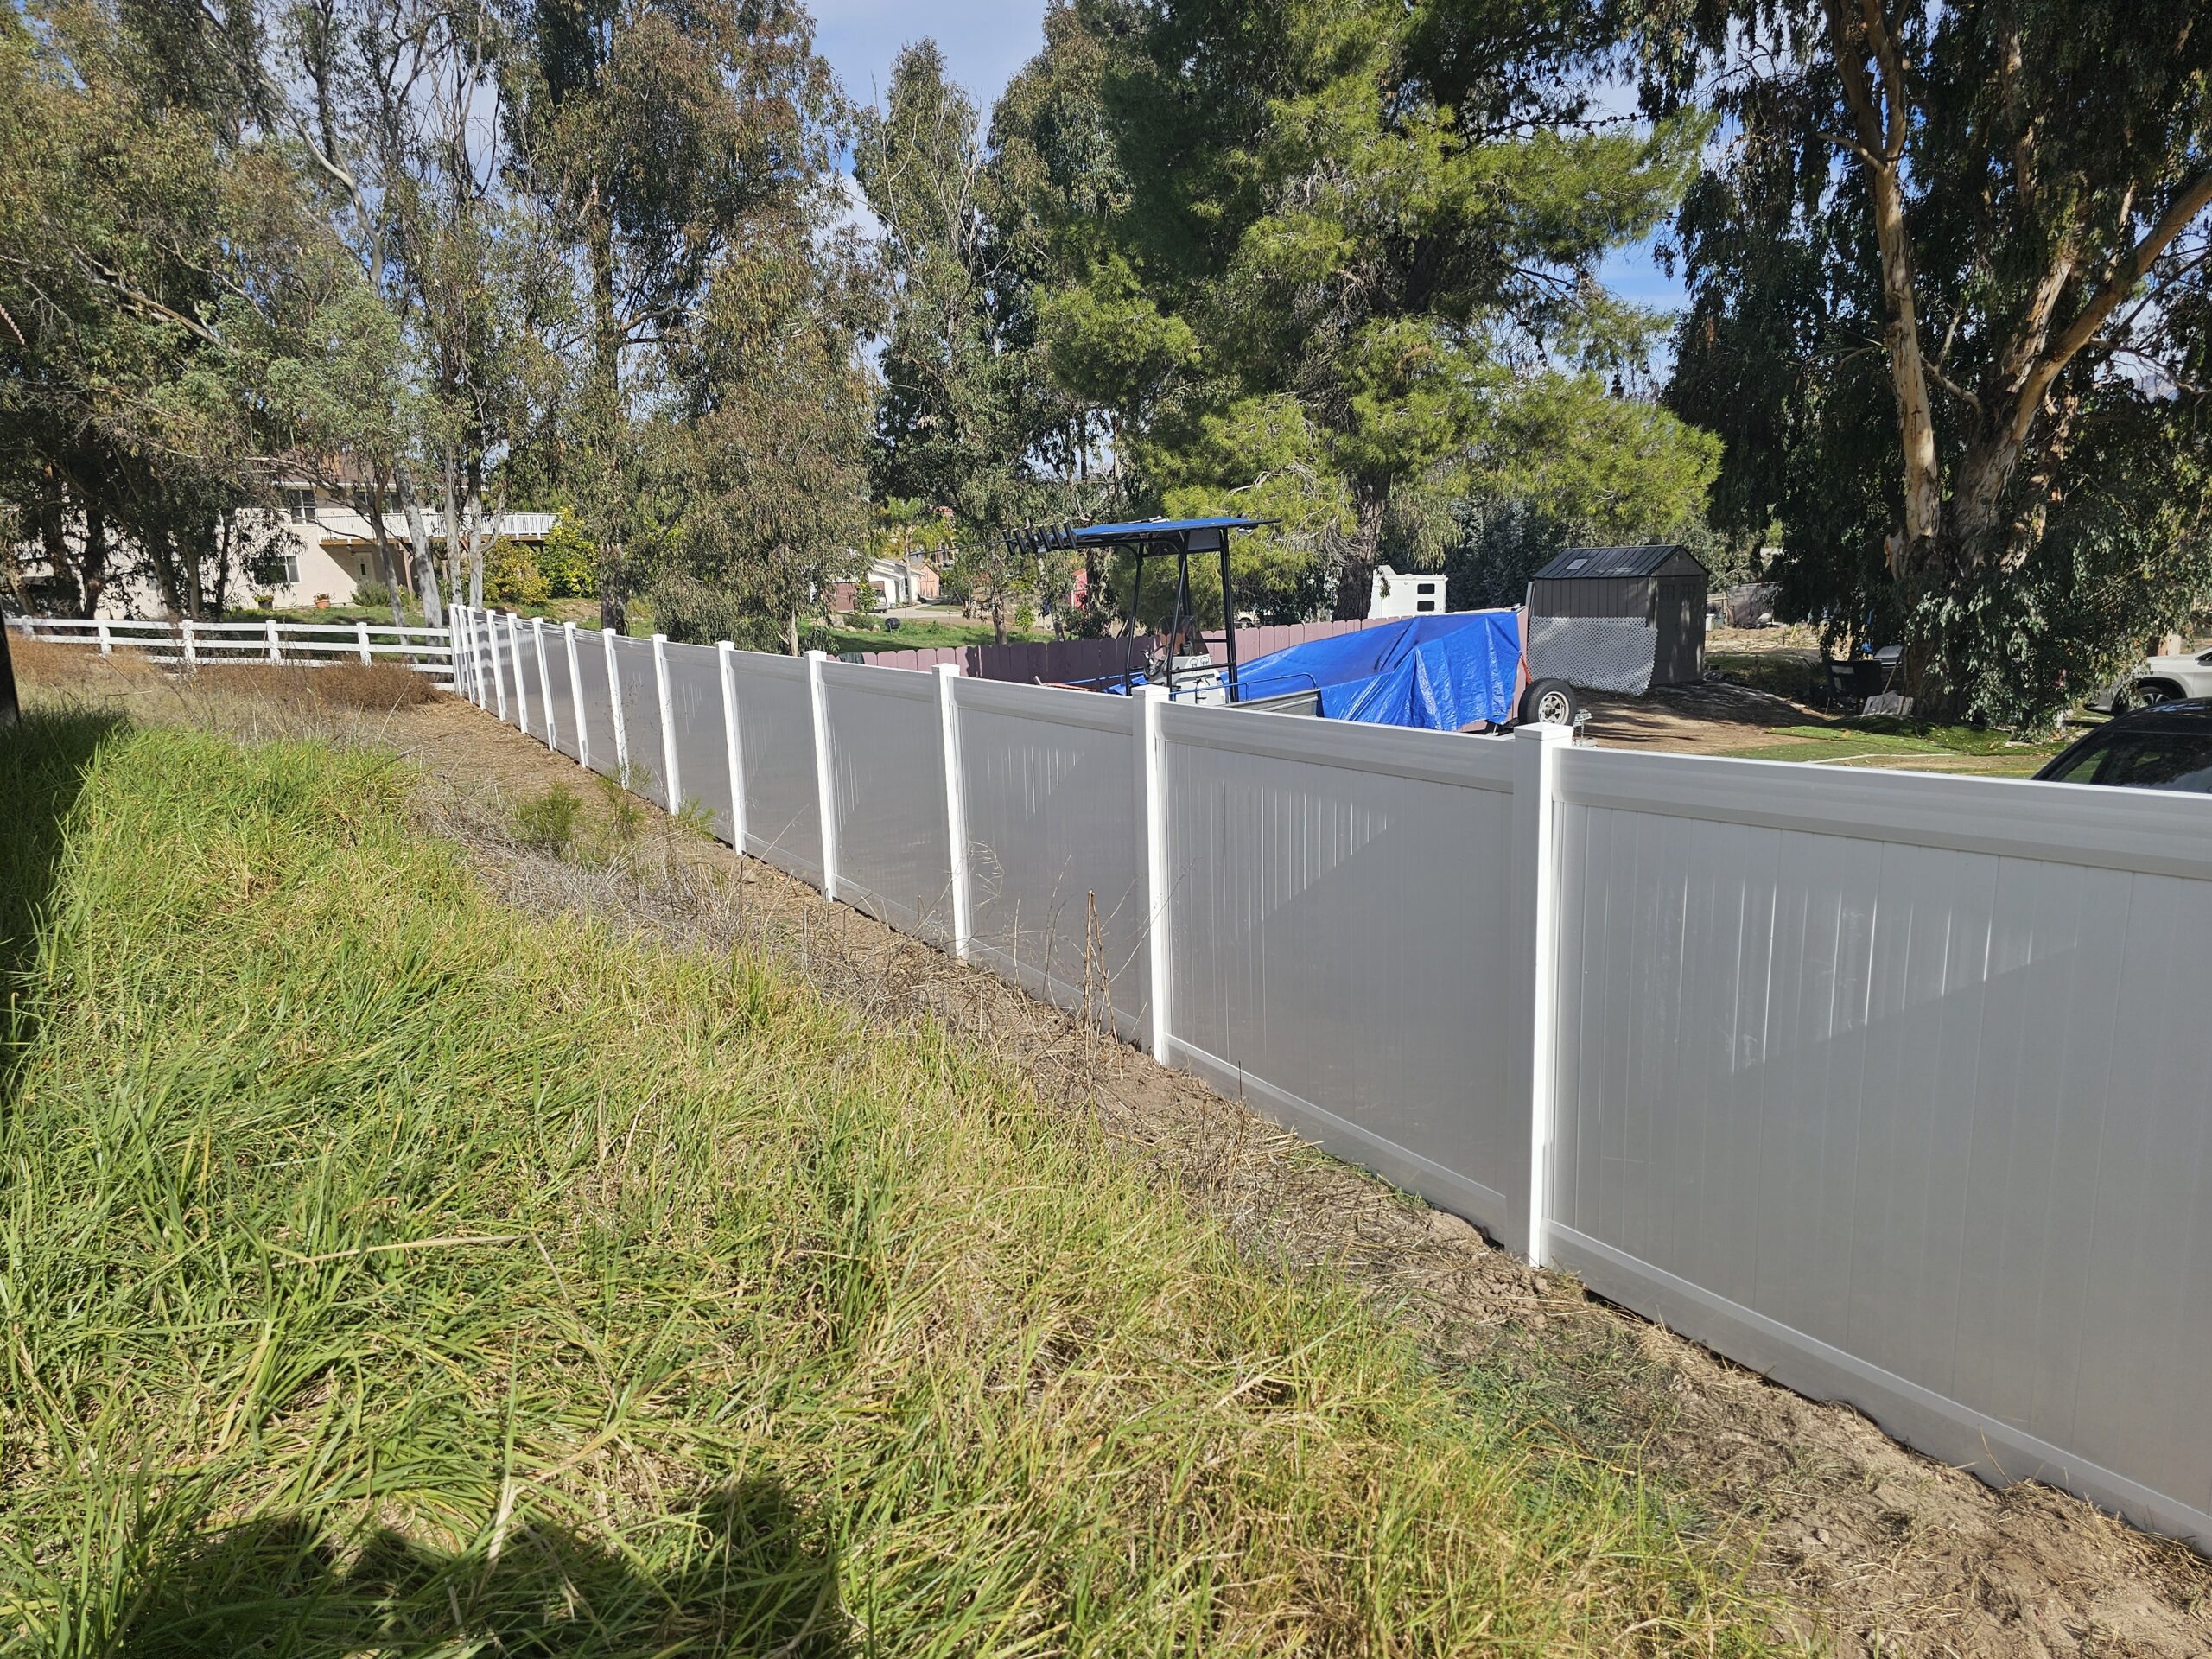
(1898, 1088)
(205, 644)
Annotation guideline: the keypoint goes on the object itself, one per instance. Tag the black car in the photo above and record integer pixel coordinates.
(2167, 746)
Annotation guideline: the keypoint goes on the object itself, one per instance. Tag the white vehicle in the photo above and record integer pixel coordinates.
(2166, 679)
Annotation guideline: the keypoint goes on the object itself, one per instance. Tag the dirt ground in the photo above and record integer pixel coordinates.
(1867, 1547)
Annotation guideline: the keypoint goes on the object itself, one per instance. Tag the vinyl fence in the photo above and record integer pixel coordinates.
(188, 644)
(1898, 1088)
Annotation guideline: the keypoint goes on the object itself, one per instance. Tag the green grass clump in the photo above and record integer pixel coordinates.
(1883, 740)
(384, 1271)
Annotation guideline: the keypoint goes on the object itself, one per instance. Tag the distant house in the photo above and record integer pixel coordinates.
(896, 581)
(326, 549)
(1397, 596)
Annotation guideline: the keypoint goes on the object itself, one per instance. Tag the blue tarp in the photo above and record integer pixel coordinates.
(1437, 673)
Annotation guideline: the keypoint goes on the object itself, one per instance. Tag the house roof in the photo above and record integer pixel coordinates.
(1590, 564)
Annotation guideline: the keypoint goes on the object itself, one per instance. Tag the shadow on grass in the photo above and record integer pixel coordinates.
(750, 1582)
(43, 759)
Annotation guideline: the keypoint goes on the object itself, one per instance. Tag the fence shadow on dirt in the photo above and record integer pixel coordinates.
(749, 1580)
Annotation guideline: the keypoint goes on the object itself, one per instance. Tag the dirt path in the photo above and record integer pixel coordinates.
(1878, 1550)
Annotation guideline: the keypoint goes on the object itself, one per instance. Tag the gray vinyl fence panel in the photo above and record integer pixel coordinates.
(567, 709)
(1340, 899)
(695, 690)
(1897, 1087)
(597, 721)
(783, 813)
(633, 669)
(886, 787)
(1898, 1115)
(1049, 777)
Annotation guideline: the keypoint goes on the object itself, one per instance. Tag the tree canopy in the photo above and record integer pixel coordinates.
(1335, 264)
(1949, 308)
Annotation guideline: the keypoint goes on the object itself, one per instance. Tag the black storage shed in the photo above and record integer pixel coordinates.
(1659, 586)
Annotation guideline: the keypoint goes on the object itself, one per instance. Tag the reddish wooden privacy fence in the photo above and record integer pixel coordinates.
(1065, 662)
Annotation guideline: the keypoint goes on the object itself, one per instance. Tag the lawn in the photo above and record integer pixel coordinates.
(388, 1271)
(1906, 745)
(913, 633)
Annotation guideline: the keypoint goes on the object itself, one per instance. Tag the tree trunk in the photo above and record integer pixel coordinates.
(160, 556)
(10, 710)
(452, 527)
(418, 534)
(92, 569)
(1355, 577)
(386, 562)
(476, 538)
(1854, 35)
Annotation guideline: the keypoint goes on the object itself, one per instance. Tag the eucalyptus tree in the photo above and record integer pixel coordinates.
(167, 292)
(660, 136)
(1950, 309)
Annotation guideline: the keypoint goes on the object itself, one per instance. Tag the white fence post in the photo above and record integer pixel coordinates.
(614, 700)
(1146, 708)
(361, 639)
(544, 681)
(955, 804)
(825, 791)
(522, 685)
(498, 671)
(726, 659)
(576, 695)
(107, 641)
(669, 786)
(453, 645)
(1536, 875)
(275, 654)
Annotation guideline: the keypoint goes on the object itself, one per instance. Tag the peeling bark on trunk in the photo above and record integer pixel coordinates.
(1882, 127)
(387, 562)
(418, 534)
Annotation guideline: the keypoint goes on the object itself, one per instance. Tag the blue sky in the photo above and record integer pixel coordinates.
(985, 42)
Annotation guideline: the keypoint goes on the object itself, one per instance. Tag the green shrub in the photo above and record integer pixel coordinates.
(511, 575)
(695, 613)
(549, 822)
(568, 561)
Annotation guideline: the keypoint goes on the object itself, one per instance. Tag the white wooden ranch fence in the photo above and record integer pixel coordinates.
(199, 644)
(1898, 1088)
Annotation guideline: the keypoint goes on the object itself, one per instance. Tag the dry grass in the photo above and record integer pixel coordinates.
(375, 688)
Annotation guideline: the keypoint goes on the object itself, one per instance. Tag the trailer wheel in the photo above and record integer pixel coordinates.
(1550, 703)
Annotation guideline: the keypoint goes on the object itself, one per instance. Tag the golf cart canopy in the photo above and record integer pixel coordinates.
(1197, 535)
